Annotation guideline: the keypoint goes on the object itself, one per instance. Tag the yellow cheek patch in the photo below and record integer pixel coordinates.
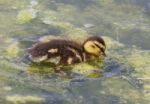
(88, 47)
(94, 47)
(55, 50)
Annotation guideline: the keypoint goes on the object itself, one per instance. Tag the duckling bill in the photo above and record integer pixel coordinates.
(60, 51)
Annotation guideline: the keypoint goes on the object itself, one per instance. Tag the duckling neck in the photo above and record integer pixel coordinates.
(87, 56)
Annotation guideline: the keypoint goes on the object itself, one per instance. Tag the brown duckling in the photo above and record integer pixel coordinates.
(61, 51)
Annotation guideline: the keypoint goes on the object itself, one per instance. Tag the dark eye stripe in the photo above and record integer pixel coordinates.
(100, 48)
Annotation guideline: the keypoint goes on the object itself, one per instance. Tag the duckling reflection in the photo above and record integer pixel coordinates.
(63, 52)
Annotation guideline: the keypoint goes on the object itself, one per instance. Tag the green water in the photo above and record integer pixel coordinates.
(123, 77)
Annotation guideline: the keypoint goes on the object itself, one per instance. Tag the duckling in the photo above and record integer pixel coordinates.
(61, 51)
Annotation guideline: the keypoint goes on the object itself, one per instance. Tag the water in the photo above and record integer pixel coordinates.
(123, 78)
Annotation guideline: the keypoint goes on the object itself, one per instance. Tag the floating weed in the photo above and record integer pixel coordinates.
(40, 69)
(17, 99)
(90, 69)
(119, 87)
(112, 44)
(129, 21)
(49, 17)
(13, 50)
(139, 59)
(26, 15)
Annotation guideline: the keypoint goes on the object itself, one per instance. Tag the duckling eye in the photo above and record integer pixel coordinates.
(92, 46)
(102, 49)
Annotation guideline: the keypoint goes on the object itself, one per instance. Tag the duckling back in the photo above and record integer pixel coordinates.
(57, 51)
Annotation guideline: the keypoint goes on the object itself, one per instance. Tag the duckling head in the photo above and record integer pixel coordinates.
(95, 46)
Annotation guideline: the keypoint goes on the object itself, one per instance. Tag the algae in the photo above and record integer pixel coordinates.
(26, 15)
(13, 50)
(122, 78)
(16, 99)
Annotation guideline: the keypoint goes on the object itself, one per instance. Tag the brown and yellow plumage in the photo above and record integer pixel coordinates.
(61, 51)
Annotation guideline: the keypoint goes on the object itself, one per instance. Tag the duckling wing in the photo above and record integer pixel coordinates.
(42, 51)
(62, 50)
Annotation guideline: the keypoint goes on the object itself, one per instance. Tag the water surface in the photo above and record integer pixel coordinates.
(123, 77)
